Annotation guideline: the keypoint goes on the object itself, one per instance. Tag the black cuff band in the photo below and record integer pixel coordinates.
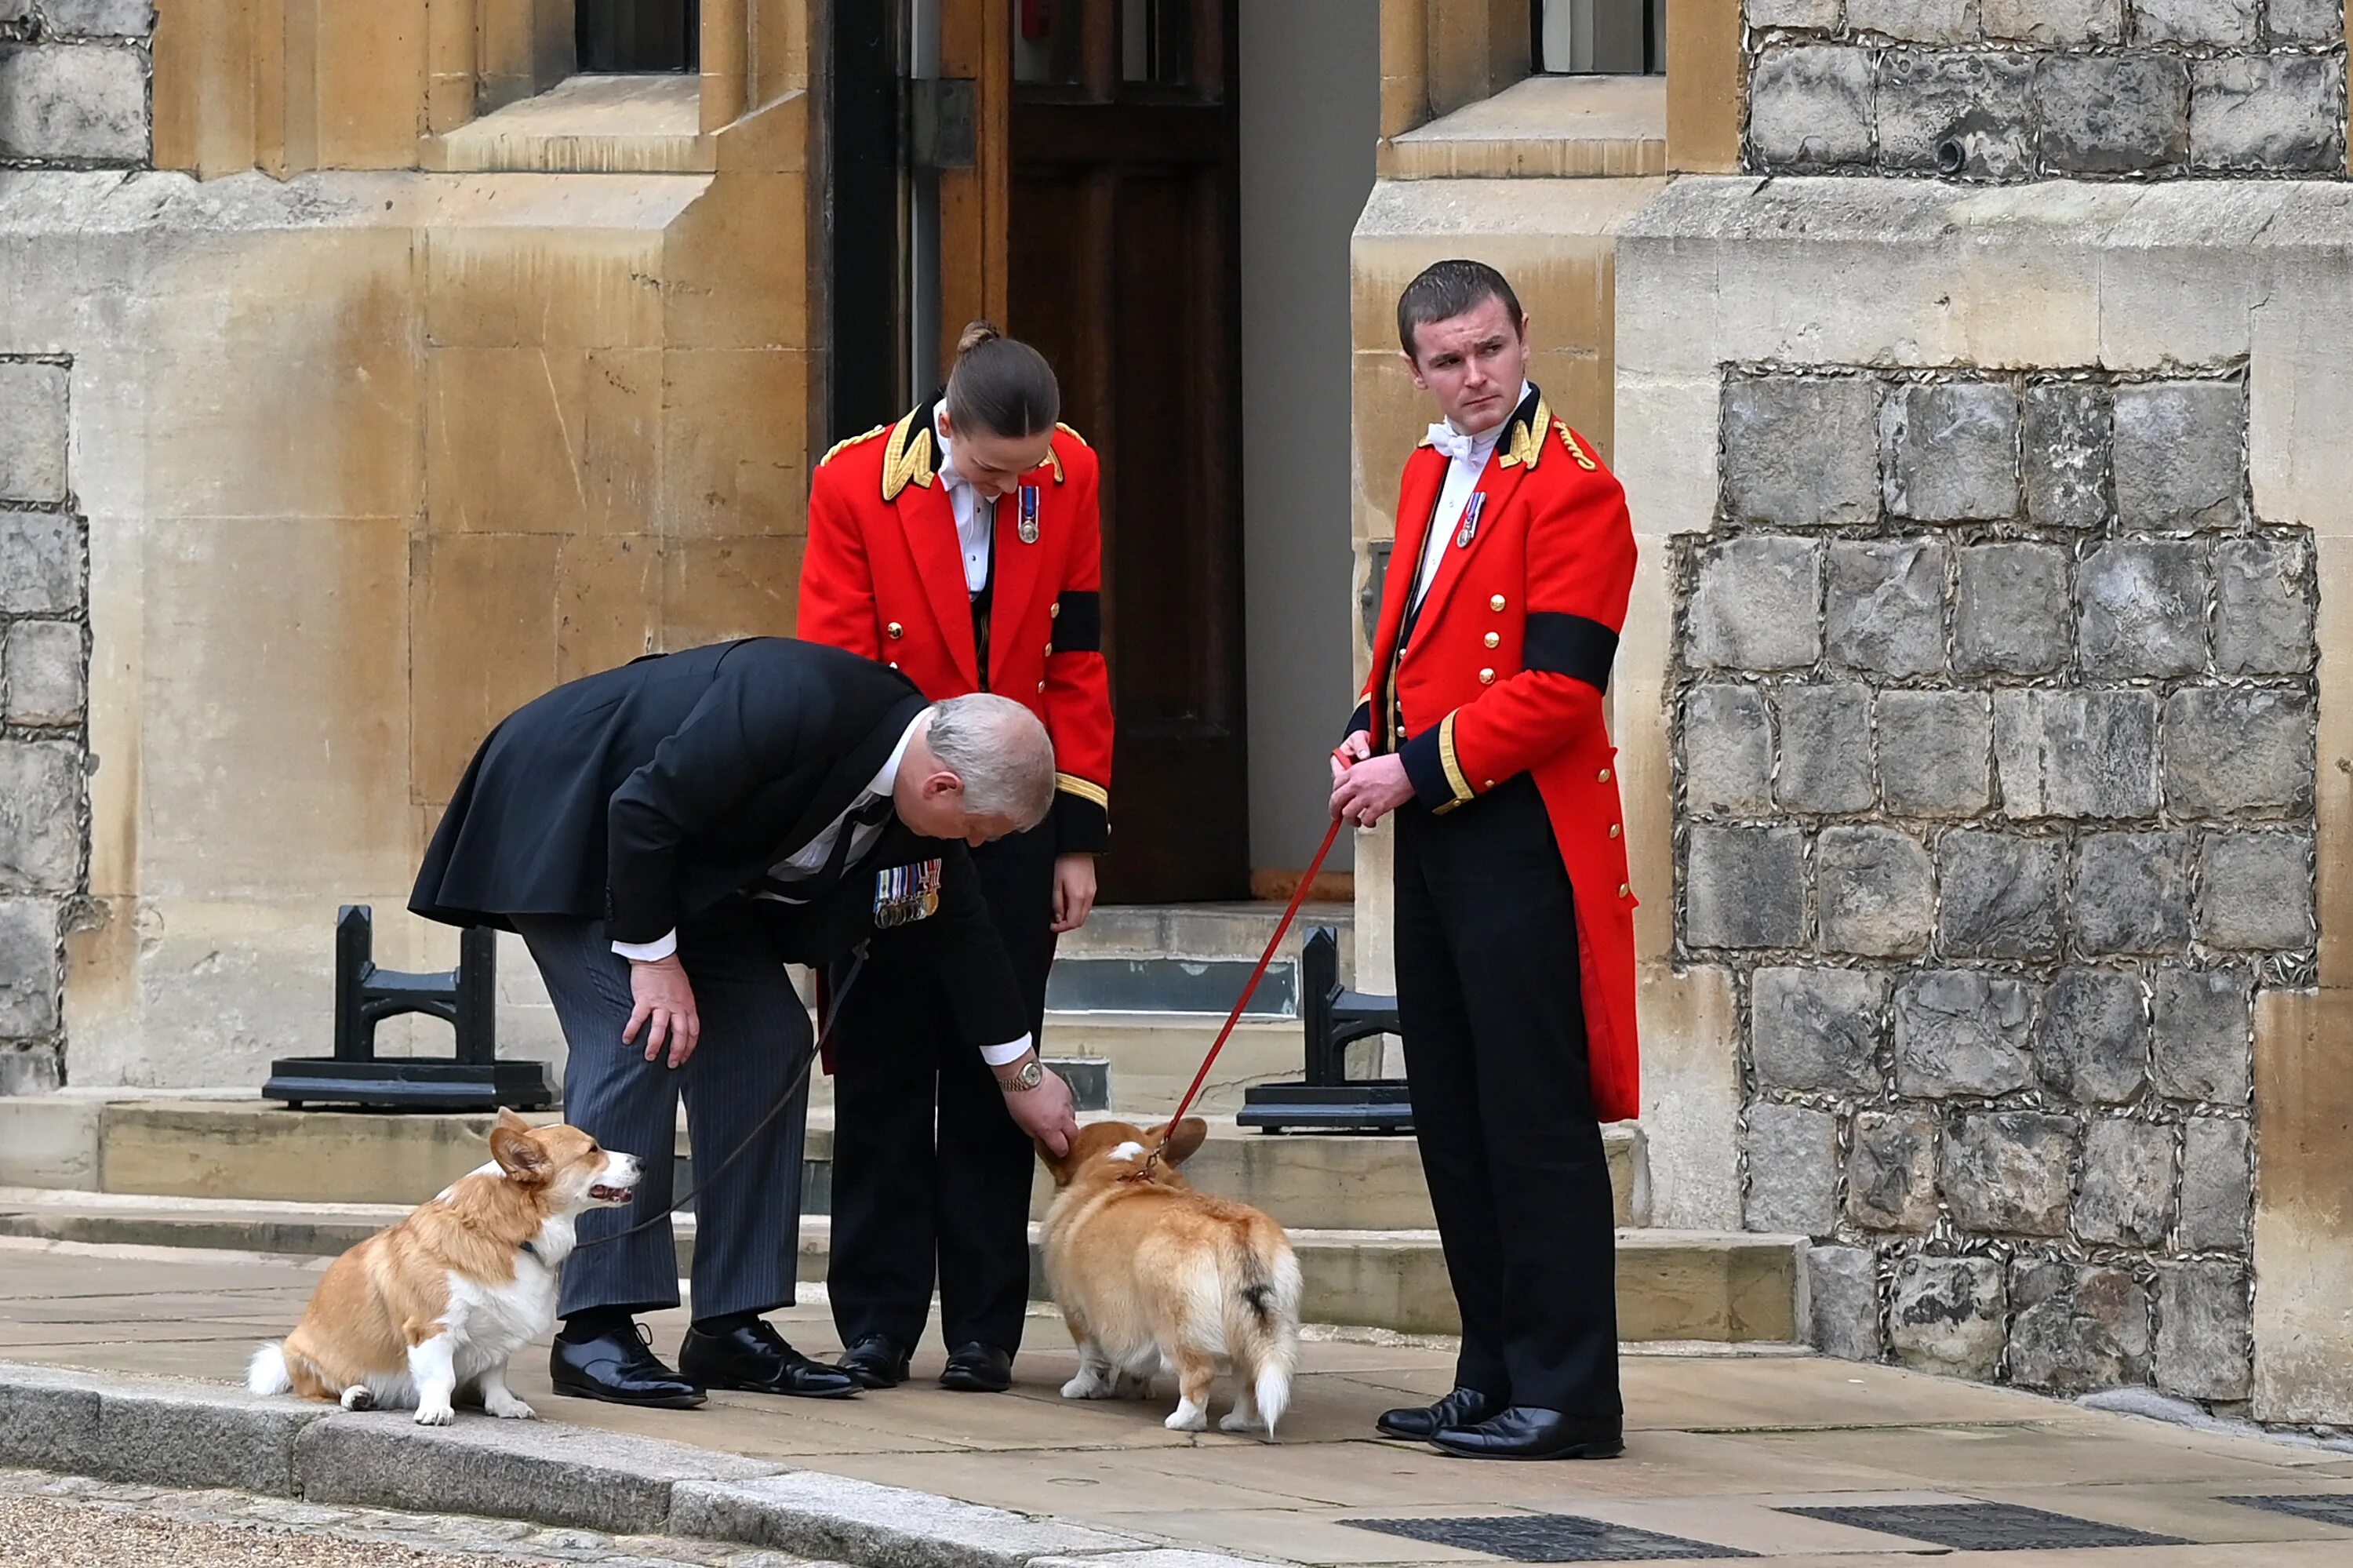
(1570, 646)
(1078, 624)
(1080, 827)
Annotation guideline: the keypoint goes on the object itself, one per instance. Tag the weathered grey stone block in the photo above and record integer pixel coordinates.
(29, 971)
(841, 1519)
(2013, 615)
(2010, 1171)
(1935, 751)
(1842, 1288)
(2001, 895)
(2264, 607)
(2126, 1194)
(1727, 750)
(1800, 451)
(1816, 1029)
(2076, 754)
(1976, 102)
(2306, 21)
(1746, 887)
(32, 422)
(2205, 1334)
(2204, 1021)
(1877, 892)
(40, 815)
(1960, 1032)
(2111, 114)
(1825, 748)
(31, 1067)
(2144, 608)
(1947, 1316)
(2257, 892)
(1756, 605)
(2231, 751)
(100, 18)
(2275, 114)
(1809, 106)
(1951, 450)
(2064, 448)
(2180, 454)
(1885, 607)
(207, 1438)
(83, 101)
(2078, 1328)
(40, 563)
(2230, 23)
(1792, 1170)
(48, 1420)
(43, 663)
(1923, 21)
(1891, 1171)
(1819, 16)
(2064, 22)
(2217, 1187)
(2132, 892)
(2092, 1045)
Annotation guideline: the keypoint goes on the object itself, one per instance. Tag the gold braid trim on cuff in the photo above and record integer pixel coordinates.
(1083, 789)
(1455, 777)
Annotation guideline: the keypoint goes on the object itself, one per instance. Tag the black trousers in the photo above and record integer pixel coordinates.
(931, 1176)
(1489, 1002)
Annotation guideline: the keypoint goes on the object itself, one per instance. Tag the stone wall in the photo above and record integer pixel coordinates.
(2010, 89)
(44, 744)
(1995, 774)
(73, 83)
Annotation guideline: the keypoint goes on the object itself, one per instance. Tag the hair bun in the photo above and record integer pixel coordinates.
(975, 334)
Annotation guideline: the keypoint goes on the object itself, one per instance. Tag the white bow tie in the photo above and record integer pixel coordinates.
(1454, 444)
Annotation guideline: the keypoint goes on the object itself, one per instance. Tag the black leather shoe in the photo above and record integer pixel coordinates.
(1463, 1408)
(875, 1361)
(619, 1368)
(1526, 1431)
(754, 1358)
(977, 1368)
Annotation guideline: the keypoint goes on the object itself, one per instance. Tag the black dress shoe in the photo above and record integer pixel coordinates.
(977, 1368)
(754, 1357)
(619, 1368)
(1527, 1432)
(1463, 1408)
(875, 1361)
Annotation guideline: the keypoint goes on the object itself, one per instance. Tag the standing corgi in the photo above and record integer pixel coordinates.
(1152, 1276)
(439, 1301)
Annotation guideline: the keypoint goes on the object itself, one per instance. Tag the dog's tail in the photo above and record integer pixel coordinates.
(266, 1373)
(1263, 1321)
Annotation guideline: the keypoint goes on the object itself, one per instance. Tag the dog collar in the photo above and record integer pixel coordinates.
(531, 1252)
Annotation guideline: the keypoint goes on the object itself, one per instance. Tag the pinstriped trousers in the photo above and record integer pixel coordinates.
(754, 1032)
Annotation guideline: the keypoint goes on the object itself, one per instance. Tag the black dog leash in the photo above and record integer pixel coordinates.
(784, 1102)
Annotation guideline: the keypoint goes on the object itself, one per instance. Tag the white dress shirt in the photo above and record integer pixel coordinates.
(810, 860)
(975, 515)
(1468, 458)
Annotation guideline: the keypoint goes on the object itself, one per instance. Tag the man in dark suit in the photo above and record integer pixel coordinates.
(666, 837)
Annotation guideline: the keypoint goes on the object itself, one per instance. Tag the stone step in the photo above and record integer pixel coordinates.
(1187, 958)
(1702, 1285)
(251, 1151)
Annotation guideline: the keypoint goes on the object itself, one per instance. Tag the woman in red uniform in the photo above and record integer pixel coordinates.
(961, 545)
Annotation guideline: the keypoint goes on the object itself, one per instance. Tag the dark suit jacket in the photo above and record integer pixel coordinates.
(650, 794)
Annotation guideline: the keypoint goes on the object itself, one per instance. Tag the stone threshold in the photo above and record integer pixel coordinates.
(169, 1432)
(1547, 127)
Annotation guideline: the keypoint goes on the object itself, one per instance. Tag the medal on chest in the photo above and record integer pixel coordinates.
(1027, 525)
(905, 893)
(1470, 529)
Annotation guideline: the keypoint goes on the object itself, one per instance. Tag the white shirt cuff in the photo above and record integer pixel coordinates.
(1012, 1051)
(650, 952)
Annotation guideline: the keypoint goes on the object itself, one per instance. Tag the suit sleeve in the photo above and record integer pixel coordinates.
(1078, 685)
(837, 599)
(1580, 572)
(969, 957)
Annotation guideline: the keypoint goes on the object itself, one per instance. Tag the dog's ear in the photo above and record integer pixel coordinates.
(1058, 1166)
(509, 1120)
(1186, 1141)
(517, 1152)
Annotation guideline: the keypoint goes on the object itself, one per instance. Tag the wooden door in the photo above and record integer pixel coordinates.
(1117, 149)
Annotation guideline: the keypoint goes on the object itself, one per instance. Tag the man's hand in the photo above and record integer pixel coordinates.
(1075, 891)
(1370, 790)
(664, 1010)
(1351, 751)
(1045, 1113)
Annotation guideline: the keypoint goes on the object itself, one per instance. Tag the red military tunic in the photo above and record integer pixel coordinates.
(1505, 673)
(884, 577)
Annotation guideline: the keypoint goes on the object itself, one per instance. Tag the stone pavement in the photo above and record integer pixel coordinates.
(1720, 1446)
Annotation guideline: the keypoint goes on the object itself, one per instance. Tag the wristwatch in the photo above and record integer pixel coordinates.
(1032, 1074)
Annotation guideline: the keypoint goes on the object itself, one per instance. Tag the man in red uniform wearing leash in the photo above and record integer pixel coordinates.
(961, 545)
(1481, 729)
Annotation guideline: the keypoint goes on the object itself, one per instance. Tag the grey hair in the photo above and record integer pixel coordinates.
(1000, 751)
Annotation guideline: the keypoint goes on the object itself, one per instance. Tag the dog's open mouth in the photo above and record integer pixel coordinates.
(604, 1194)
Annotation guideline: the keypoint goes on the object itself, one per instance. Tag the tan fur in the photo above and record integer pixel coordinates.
(1151, 1274)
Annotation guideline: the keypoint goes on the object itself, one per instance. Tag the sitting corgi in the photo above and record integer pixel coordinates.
(439, 1301)
(1152, 1276)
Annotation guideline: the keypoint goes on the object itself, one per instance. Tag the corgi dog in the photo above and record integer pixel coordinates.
(1154, 1277)
(438, 1302)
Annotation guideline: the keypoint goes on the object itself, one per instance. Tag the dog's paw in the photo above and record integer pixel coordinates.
(359, 1396)
(1241, 1421)
(1085, 1387)
(435, 1415)
(507, 1407)
(1188, 1418)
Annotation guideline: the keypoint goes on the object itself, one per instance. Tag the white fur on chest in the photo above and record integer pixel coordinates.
(489, 1320)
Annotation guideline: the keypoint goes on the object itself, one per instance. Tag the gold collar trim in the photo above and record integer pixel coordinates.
(907, 457)
(1525, 442)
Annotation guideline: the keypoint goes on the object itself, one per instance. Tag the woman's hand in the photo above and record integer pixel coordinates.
(1075, 891)
(664, 1010)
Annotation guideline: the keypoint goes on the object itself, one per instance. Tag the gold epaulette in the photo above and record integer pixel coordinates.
(837, 448)
(1070, 432)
